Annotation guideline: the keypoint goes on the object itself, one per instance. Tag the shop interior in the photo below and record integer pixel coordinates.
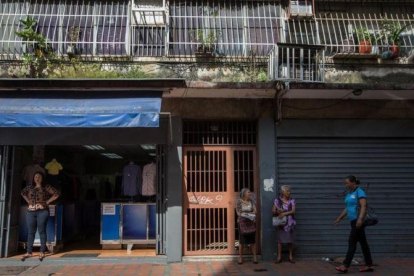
(88, 178)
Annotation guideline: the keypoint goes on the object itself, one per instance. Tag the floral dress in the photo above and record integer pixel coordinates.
(287, 233)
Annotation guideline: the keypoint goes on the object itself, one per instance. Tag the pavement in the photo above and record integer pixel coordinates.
(136, 266)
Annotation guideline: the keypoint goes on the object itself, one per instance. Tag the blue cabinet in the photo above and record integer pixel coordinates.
(128, 223)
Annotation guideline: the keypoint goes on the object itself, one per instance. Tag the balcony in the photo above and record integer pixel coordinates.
(209, 31)
(297, 63)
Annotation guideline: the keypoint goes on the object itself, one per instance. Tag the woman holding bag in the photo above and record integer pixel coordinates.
(246, 213)
(285, 207)
(355, 197)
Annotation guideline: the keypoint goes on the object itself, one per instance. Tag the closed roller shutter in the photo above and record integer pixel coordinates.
(316, 169)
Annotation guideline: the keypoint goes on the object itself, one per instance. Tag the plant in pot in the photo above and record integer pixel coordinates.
(74, 34)
(390, 35)
(364, 38)
(206, 45)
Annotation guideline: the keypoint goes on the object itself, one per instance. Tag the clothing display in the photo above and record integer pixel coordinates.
(53, 167)
(131, 180)
(29, 172)
(38, 197)
(149, 179)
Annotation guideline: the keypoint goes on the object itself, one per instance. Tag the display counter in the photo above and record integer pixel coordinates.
(128, 223)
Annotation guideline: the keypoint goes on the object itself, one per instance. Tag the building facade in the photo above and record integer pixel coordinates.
(253, 94)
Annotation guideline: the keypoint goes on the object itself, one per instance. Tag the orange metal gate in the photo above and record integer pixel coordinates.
(213, 178)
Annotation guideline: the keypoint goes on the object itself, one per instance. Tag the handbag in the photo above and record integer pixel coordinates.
(247, 226)
(276, 221)
(370, 218)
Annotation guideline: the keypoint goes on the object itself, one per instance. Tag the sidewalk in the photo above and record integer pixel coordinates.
(388, 267)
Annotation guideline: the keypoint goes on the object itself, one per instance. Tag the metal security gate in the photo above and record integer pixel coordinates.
(213, 178)
(6, 178)
(161, 200)
(316, 169)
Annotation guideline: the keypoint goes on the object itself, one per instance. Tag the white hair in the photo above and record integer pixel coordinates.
(285, 188)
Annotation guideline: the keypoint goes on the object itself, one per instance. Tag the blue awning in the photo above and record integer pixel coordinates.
(107, 112)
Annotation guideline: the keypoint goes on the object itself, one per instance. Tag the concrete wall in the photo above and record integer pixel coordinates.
(268, 186)
(174, 196)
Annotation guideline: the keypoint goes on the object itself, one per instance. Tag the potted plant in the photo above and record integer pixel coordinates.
(390, 35)
(74, 34)
(206, 45)
(364, 38)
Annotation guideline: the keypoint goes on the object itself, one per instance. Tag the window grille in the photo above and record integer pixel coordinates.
(220, 133)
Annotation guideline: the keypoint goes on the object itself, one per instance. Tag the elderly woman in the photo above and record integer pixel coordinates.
(284, 206)
(355, 197)
(246, 212)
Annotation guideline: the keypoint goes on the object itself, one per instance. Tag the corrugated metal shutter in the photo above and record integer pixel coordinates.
(316, 169)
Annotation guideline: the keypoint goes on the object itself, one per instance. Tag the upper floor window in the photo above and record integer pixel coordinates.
(301, 8)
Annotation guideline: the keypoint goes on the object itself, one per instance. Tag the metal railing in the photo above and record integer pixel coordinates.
(234, 30)
(297, 63)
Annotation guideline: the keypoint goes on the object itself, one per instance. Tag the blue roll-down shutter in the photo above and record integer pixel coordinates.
(107, 112)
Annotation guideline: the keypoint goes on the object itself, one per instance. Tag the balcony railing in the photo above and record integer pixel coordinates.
(297, 63)
(203, 29)
(355, 34)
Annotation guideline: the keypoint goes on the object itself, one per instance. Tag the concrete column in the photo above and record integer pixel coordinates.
(268, 187)
(175, 184)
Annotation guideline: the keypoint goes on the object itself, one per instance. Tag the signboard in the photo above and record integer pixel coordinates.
(108, 209)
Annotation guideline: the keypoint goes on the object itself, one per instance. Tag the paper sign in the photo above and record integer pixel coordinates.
(52, 211)
(108, 209)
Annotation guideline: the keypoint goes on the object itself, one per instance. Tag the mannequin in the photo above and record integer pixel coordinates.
(131, 180)
(29, 171)
(53, 169)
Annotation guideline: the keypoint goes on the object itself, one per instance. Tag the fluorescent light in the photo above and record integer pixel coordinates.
(111, 155)
(152, 154)
(94, 147)
(148, 147)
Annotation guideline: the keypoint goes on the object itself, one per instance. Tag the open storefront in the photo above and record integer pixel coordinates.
(106, 155)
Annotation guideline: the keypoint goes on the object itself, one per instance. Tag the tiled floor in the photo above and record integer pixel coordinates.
(387, 267)
(103, 253)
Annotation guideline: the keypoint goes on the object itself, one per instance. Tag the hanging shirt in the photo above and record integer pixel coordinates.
(351, 201)
(131, 180)
(53, 167)
(29, 172)
(149, 179)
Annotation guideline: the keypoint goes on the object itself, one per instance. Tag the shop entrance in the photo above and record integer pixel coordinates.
(105, 189)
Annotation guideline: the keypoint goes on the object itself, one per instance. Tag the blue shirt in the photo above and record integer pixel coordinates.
(351, 201)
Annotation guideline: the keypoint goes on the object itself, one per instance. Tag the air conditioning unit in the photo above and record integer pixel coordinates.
(149, 12)
(301, 8)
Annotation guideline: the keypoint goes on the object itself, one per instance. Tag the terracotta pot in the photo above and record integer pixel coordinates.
(396, 50)
(365, 47)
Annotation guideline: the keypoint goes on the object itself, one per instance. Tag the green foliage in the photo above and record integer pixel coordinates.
(38, 55)
(391, 32)
(364, 35)
(80, 70)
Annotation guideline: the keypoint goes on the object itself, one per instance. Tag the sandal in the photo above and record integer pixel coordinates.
(292, 261)
(255, 262)
(341, 269)
(41, 256)
(25, 256)
(240, 262)
(278, 261)
(366, 269)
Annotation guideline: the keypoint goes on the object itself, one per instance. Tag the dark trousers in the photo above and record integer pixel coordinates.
(37, 220)
(357, 235)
